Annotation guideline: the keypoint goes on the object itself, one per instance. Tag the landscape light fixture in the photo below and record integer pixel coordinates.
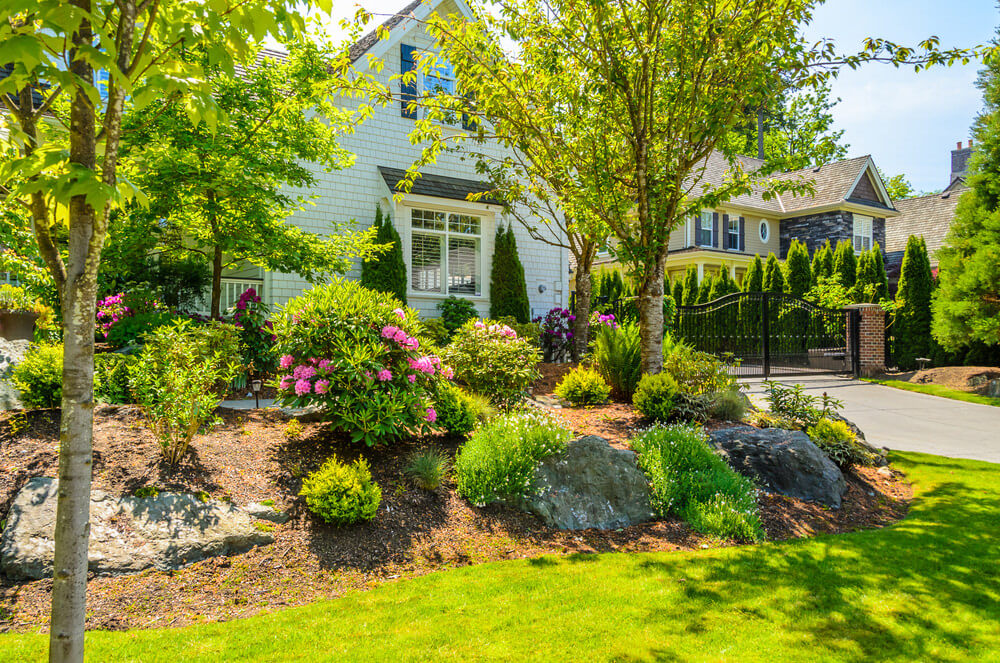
(256, 386)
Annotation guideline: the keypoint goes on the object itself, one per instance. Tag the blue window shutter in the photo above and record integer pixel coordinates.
(469, 122)
(407, 91)
(743, 235)
(715, 229)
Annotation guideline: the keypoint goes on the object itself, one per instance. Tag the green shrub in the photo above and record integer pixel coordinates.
(498, 461)
(838, 441)
(39, 376)
(135, 328)
(692, 407)
(354, 353)
(616, 356)
(583, 386)
(458, 411)
(730, 405)
(180, 377)
(792, 403)
(427, 469)
(691, 481)
(434, 331)
(113, 377)
(490, 359)
(455, 312)
(250, 315)
(696, 372)
(508, 288)
(342, 494)
(654, 397)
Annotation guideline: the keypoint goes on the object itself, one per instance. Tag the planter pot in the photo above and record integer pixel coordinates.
(18, 325)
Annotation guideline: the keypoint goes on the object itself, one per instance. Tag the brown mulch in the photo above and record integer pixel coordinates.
(972, 379)
(248, 458)
(551, 375)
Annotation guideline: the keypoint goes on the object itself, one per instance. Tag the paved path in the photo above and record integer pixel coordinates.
(910, 421)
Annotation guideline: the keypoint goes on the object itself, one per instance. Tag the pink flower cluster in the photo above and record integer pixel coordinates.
(110, 310)
(300, 379)
(503, 330)
(393, 333)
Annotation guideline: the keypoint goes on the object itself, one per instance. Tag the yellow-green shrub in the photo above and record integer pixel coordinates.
(342, 494)
(654, 396)
(583, 386)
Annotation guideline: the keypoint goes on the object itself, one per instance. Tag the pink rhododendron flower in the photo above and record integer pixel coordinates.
(411, 343)
(384, 375)
(400, 312)
(286, 361)
(303, 372)
(302, 387)
(389, 332)
(324, 364)
(321, 386)
(400, 336)
(447, 372)
(411, 377)
(480, 325)
(286, 382)
(431, 415)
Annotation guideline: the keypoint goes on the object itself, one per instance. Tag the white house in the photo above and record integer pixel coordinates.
(447, 240)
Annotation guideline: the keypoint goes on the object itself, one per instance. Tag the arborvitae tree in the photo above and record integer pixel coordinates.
(753, 280)
(799, 271)
(386, 272)
(864, 281)
(774, 279)
(617, 285)
(508, 289)
(678, 291)
(822, 262)
(690, 297)
(705, 289)
(913, 301)
(881, 277)
(845, 263)
(723, 285)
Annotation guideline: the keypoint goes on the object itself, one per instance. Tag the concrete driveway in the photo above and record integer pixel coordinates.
(909, 421)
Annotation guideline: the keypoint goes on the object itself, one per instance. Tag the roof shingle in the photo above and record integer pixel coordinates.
(929, 216)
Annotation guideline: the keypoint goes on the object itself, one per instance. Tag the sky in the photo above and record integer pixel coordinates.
(909, 122)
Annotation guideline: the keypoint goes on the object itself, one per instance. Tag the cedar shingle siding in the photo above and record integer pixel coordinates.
(865, 190)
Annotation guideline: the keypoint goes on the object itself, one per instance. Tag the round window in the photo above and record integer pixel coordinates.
(765, 230)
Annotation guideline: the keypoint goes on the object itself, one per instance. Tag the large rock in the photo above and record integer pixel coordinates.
(781, 461)
(127, 534)
(993, 388)
(591, 484)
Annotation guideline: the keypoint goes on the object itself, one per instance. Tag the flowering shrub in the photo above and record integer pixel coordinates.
(690, 480)
(498, 461)
(110, 310)
(490, 359)
(556, 333)
(354, 353)
(250, 315)
(598, 319)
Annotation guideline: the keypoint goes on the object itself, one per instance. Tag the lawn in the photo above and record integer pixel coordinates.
(927, 588)
(938, 390)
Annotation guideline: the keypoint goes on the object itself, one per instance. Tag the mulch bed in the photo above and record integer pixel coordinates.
(248, 458)
(972, 379)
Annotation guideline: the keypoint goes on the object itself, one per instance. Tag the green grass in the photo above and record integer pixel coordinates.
(926, 589)
(938, 390)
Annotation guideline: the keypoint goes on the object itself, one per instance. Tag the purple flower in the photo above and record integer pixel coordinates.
(303, 372)
(411, 377)
(324, 364)
(430, 415)
(302, 387)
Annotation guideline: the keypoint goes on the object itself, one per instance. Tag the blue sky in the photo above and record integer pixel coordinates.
(908, 122)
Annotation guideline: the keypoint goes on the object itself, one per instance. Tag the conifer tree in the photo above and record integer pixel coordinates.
(845, 263)
(386, 272)
(882, 278)
(753, 280)
(690, 297)
(799, 271)
(912, 327)
(705, 289)
(723, 285)
(864, 281)
(678, 292)
(774, 279)
(508, 289)
(822, 262)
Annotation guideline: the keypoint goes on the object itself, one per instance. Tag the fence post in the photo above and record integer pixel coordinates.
(868, 339)
(765, 335)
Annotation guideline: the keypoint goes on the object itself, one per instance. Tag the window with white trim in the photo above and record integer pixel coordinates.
(862, 233)
(705, 229)
(445, 253)
(733, 234)
(764, 230)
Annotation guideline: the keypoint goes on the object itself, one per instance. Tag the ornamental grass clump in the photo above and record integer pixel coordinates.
(498, 461)
(583, 386)
(427, 469)
(354, 353)
(491, 359)
(691, 481)
(342, 494)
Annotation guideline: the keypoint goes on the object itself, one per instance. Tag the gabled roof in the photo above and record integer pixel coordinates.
(929, 216)
(363, 45)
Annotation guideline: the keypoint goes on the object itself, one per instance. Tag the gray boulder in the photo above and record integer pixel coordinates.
(127, 534)
(781, 461)
(591, 484)
(265, 512)
(993, 388)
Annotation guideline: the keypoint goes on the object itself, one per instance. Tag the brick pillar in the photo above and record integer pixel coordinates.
(872, 336)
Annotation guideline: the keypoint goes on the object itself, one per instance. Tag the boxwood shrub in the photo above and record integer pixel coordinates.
(342, 494)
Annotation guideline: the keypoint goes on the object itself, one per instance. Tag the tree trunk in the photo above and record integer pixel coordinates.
(76, 428)
(651, 317)
(217, 283)
(581, 326)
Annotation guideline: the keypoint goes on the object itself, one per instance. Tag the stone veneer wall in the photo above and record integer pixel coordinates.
(817, 228)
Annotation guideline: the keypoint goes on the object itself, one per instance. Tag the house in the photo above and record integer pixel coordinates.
(447, 240)
(848, 202)
(928, 216)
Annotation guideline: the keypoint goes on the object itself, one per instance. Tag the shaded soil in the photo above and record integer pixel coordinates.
(249, 457)
(972, 379)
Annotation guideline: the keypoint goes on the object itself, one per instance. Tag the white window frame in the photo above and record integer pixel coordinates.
(706, 215)
(733, 231)
(436, 73)
(446, 234)
(862, 234)
(764, 230)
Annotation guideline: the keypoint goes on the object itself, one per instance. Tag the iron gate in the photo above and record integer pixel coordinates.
(766, 334)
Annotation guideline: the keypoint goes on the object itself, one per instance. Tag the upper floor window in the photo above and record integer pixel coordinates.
(705, 224)
(438, 79)
(445, 253)
(733, 234)
(862, 233)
